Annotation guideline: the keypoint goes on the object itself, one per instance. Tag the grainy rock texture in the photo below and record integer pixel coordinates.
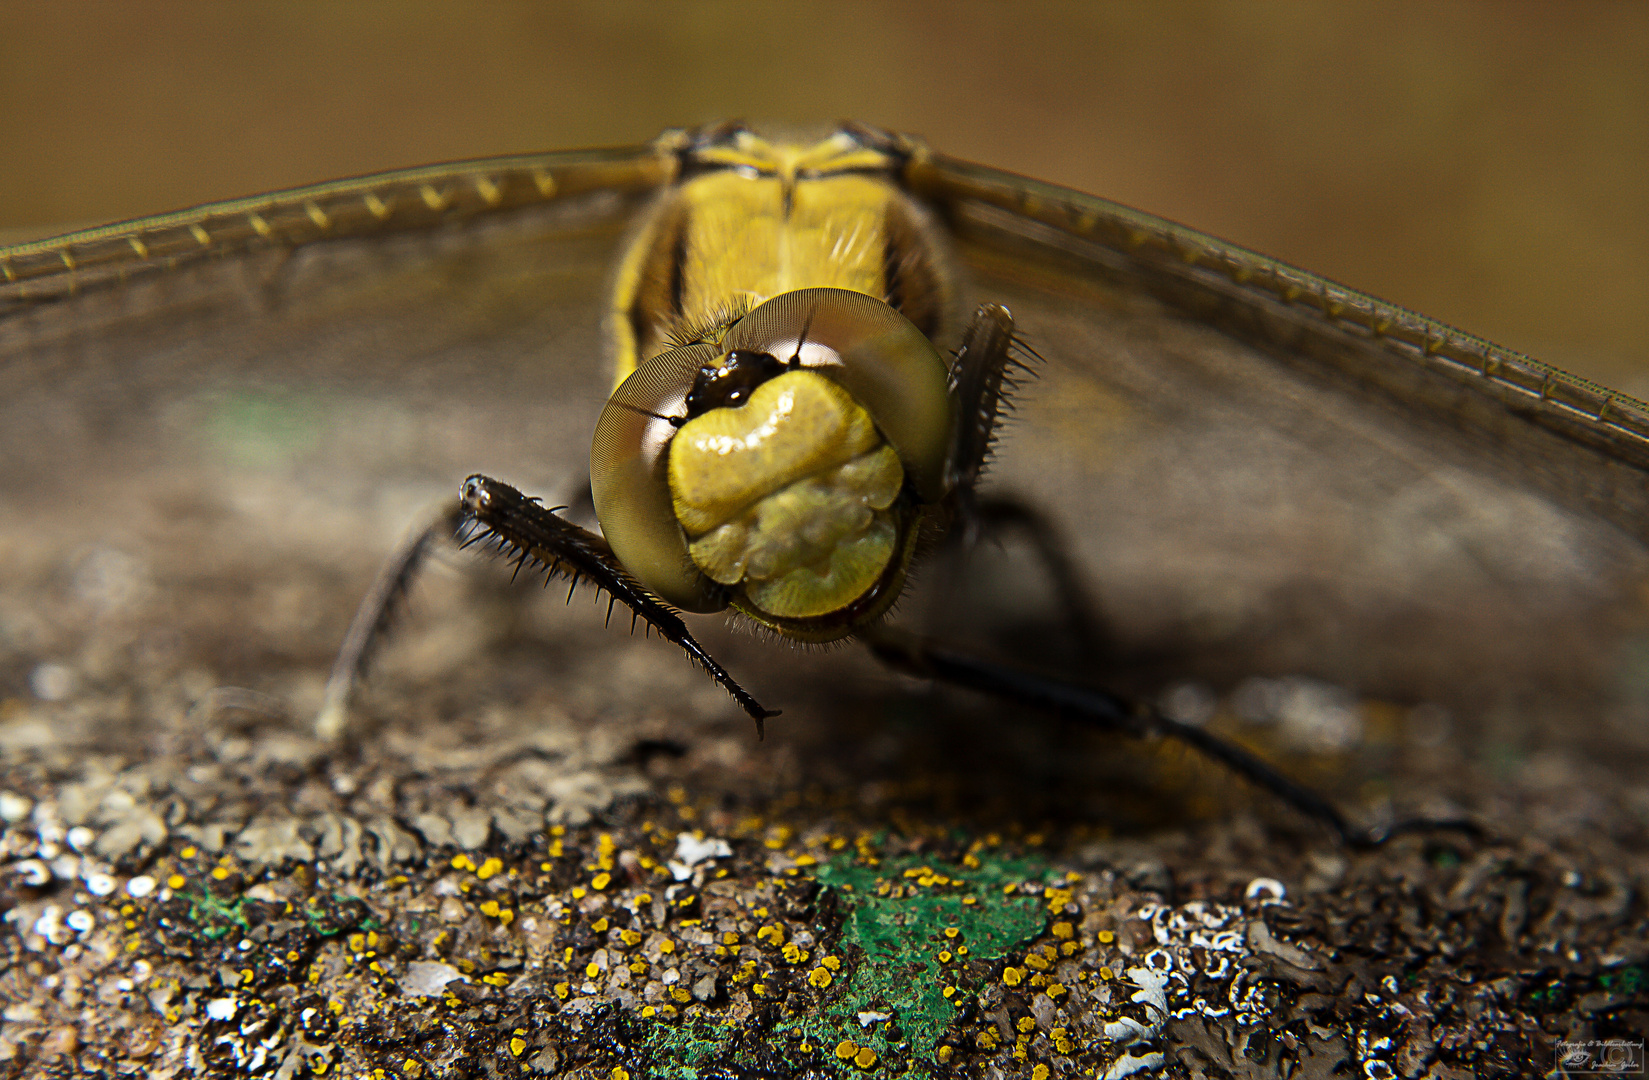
(194, 886)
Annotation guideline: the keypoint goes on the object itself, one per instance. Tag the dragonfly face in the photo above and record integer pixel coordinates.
(792, 489)
(1255, 471)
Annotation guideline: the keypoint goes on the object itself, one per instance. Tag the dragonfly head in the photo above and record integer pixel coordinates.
(782, 466)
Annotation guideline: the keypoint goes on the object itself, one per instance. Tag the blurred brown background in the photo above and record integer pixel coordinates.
(1483, 163)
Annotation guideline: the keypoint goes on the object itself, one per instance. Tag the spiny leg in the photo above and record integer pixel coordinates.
(981, 383)
(1100, 708)
(524, 531)
(559, 547)
(983, 379)
(374, 617)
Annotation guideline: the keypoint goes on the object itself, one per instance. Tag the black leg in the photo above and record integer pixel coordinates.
(982, 382)
(915, 656)
(983, 379)
(997, 515)
(525, 532)
(374, 617)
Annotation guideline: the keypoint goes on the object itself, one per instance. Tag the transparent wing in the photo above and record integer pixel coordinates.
(1266, 473)
(192, 430)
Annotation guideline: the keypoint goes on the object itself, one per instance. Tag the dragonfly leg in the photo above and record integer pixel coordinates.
(998, 516)
(983, 377)
(986, 372)
(531, 535)
(1113, 712)
(375, 616)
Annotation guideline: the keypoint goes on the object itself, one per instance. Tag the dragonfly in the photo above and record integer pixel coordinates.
(1223, 465)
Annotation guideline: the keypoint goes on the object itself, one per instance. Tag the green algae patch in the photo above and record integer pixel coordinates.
(927, 935)
(216, 916)
(268, 942)
(916, 941)
(687, 1050)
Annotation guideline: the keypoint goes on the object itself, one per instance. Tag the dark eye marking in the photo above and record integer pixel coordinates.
(726, 382)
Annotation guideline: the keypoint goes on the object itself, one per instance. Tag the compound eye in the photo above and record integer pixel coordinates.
(629, 456)
(874, 353)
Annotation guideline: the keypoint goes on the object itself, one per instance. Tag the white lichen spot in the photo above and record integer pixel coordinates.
(14, 807)
(692, 850)
(50, 925)
(426, 978)
(1151, 994)
(99, 883)
(1128, 1065)
(33, 872)
(52, 682)
(1265, 890)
